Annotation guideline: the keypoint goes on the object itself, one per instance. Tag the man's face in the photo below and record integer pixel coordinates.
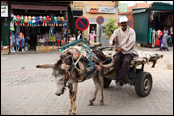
(124, 25)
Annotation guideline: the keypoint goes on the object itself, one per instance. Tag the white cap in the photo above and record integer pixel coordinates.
(123, 19)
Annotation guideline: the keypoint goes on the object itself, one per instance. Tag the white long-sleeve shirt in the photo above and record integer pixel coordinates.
(125, 40)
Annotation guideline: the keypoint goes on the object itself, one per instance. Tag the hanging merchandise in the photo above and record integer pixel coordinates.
(55, 20)
(25, 21)
(44, 20)
(62, 18)
(11, 14)
(58, 18)
(58, 42)
(152, 17)
(171, 30)
(37, 20)
(33, 20)
(14, 18)
(159, 34)
(51, 20)
(22, 20)
(48, 19)
(149, 36)
(153, 38)
(29, 20)
(21, 35)
(18, 19)
(40, 20)
(12, 26)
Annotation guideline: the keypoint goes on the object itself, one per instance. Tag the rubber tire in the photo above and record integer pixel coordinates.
(107, 82)
(139, 84)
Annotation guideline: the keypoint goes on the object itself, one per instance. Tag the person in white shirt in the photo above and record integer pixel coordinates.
(42, 40)
(124, 39)
(79, 35)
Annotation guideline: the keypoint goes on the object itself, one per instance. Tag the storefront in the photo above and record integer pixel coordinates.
(41, 24)
(150, 22)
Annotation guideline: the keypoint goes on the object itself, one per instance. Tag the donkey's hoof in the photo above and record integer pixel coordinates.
(73, 113)
(101, 103)
(69, 112)
(90, 104)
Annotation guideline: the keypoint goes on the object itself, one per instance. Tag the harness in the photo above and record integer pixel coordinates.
(84, 50)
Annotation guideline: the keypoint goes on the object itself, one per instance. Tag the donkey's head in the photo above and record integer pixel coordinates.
(59, 72)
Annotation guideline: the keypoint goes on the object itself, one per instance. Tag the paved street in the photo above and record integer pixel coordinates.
(26, 90)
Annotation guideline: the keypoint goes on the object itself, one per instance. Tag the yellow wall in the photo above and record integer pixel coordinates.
(84, 4)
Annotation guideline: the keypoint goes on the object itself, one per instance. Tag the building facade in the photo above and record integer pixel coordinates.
(93, 9)
(129, 12)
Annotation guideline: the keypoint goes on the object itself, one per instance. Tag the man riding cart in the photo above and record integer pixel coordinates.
(124, 61)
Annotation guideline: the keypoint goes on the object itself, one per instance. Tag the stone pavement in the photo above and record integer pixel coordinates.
(26, 90)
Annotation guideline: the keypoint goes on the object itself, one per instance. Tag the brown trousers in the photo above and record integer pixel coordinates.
(122, 65)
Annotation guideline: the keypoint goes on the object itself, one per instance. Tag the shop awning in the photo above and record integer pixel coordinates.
(71, 21)
(38, 7)
(139, 11)
(162, 6)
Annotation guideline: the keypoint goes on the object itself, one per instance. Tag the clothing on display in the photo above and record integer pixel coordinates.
(24, 29)
(159, 21)
(14, 18)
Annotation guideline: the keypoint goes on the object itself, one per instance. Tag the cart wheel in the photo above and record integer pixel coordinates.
(143, 84)
(106, 82)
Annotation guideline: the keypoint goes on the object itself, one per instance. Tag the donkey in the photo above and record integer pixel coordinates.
(66, 75)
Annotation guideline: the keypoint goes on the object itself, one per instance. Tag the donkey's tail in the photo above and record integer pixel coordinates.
(45, 66)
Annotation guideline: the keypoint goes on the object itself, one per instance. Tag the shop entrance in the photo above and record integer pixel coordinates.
(33, 41)
(53, 33)
(93, 27)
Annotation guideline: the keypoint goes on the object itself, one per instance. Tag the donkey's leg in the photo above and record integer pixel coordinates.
(74, 95)
(97, 85)
(101, 86)
(70, 97)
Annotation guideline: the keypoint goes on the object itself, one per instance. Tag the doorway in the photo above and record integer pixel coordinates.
(93, 27)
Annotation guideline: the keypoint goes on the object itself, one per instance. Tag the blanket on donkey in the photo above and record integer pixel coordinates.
(82, 51)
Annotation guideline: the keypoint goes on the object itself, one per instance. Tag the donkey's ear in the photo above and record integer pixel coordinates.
(58, 64)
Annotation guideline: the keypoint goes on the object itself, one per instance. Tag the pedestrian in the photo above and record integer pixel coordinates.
(79, 35)
(91, 37)
(164, 41)
(124, 39)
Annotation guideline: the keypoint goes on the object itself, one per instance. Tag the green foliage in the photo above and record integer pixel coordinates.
(109, 28)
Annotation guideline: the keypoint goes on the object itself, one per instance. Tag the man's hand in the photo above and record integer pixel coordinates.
(118, 49)
(114, 40)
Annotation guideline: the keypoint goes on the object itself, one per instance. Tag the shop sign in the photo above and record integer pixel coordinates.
(82, 23)
(107, 10)
(4, 10)
(99, 9)
(78, 5)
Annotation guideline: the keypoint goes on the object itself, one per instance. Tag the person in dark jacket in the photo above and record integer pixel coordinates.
(164, 45)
